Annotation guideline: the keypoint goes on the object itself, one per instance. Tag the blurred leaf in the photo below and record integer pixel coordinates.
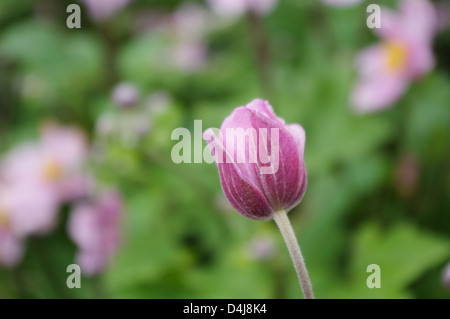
(56, 68)
(403, 253)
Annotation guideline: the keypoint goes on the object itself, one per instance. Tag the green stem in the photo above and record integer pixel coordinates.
(285, 226)
(261, 52)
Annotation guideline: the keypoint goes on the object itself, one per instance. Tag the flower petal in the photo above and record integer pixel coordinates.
(298, 133)
(263, 107)
(11, 248)
(377, 93)
(243, 195)
(419, 20)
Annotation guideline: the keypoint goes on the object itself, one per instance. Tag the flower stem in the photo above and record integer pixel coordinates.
(285, 226)
(261, 52)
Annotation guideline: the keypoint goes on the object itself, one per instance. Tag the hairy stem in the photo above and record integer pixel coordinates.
(285, 226)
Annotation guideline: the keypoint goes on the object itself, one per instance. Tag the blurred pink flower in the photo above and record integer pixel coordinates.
(11, 248)
(190, 24)
(189, 56)
(190, 21)
(35, 179)
(125, 95)
(25, 209)
(341, 3)
(95, 228)
(404, 54)
(231, 8)
(101, 10)
(150, 20)
(28, 208)
(261, 247)
(54, 163)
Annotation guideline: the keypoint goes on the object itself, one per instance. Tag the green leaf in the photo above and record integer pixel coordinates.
(403, 253)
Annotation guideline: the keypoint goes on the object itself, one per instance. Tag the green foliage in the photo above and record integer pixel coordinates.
(179, 239)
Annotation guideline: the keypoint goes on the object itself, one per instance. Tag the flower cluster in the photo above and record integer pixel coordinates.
(36, 178)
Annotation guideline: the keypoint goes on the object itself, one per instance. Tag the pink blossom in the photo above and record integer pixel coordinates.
(25, 209)
(404, 54)
(189, 56)
(95, 228)
(185, 30)
(54, 163)
(11, 248)
(36, 177)
(190, 21)
(189, 51)
(101, 10)
(251, 192)
(233, 8)
(125, 95)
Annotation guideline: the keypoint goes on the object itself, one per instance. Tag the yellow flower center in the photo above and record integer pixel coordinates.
(396, 56)
(52, 170)
(4, 219)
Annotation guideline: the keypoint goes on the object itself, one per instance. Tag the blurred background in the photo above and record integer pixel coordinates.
(86, 175)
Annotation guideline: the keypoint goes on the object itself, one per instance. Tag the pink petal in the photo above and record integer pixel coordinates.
(243, 195)
(22, 164)
(91, 262)
(378, 93)
(83, 227)
(264, 108)
(284, 183)
(298, 133)
(103, 9)
(228, 8)
(421, 60)
(95, 229)
(74, 187)
(261, 6)
(391, 25)
(11, 249)
(371, 61)
(419, 20)
(33, 209)
(66, 145)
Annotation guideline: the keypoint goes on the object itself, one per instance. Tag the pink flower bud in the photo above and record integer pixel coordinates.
(260, 160)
